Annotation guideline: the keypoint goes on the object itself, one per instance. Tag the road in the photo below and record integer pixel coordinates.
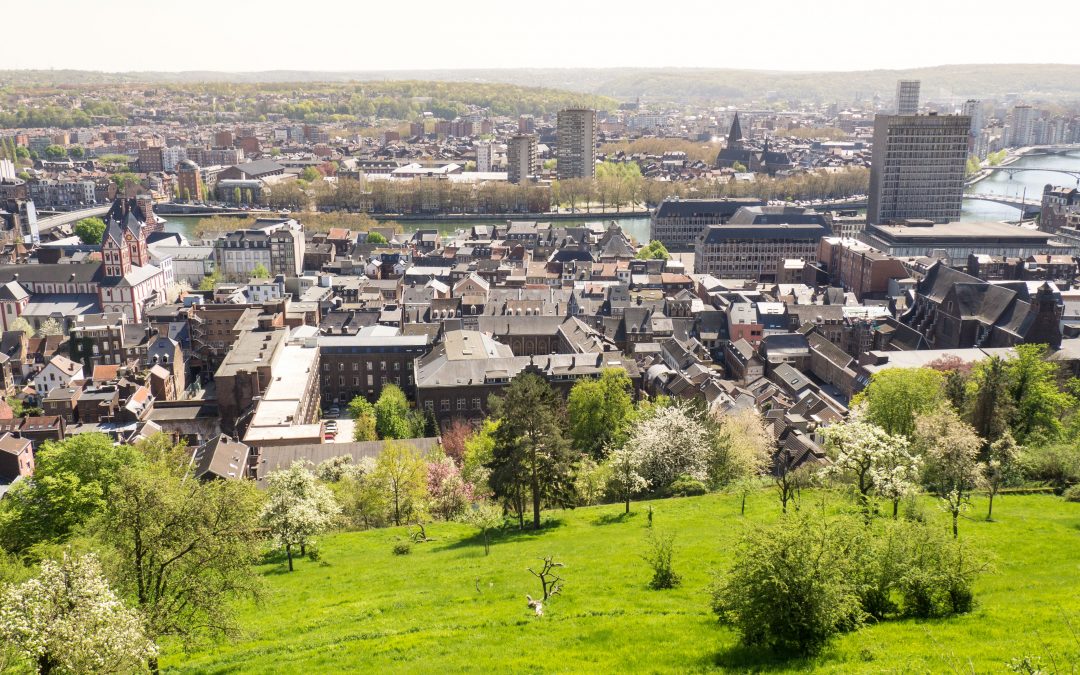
(46, 224)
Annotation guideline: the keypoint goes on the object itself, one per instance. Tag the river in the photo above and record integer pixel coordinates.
(638, 228)
(1033, 182)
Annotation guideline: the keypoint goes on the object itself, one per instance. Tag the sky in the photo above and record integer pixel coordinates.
(343, 35)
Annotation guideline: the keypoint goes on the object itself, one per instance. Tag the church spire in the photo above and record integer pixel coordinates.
(734, 138)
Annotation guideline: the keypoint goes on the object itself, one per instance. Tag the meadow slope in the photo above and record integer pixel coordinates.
(448, 607)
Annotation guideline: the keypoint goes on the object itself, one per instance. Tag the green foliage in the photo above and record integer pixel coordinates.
(739, 167)
(393, 416)
(402, 548)
(972, 167)
(364, 413)
(660, 549)
(50, 327)
(1072, 494)
(310, 174)
(376, 239)
(1037, 400)
(260, 272)
(210, 281)
(686, 486)
(182, 549)
(896, 396)
(1055, 464)
(479, 453)
(124, 180)
(76, 152)
(600, 411)
(531, 458)
(400, 474)
(55, 152)
(90, 230)
(73, 481)
(791, 588)
(654, 250)
(996, 158)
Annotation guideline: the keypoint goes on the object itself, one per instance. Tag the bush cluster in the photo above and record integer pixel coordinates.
(800, 582)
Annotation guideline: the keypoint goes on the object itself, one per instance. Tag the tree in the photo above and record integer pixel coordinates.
(22, 325)
(55, 152)
(72, 482)
(531, 456)
(453, 440)
(485, 516)
(626, 480)
(364, 415)
(310, 174)
(864, 456)
(671, 442)
(992, 409)
(1002, 467)
(297, 508)
(400, 473)
(394, 419)
(600, 411)
(741, 448)
(896, 396)
(67, 619)
(183, 548)
(90, 230)
(1038, 401)
(260, 272)
(210, 281)
(76, 152)
(50, 327)
(376, 239)
(479, 453)
(791, 587)
(950, 447)
(654, 250)
(448, 495)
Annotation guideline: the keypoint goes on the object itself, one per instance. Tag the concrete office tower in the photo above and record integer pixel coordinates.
(917, 170)
(485, 156)
(1023, 126)
(973, 109)
(907, 97)
(576, 152)
(521, 158)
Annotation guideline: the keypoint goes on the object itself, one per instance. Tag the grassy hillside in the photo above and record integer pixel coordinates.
(447, 607)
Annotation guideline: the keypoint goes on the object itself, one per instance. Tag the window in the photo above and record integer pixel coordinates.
(476, 404)
(429, 405)
(461, 404)
(444, 404)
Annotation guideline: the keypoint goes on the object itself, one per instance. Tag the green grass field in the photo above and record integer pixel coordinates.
(447, 608)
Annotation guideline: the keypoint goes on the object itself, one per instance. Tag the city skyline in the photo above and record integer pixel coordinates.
(232, 38)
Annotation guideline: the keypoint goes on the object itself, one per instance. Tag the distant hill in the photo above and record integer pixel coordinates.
(940, 83)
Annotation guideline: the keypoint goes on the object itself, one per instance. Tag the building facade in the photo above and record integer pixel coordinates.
(907, 97)
(521, 158)
(576, 150)
(918, 167)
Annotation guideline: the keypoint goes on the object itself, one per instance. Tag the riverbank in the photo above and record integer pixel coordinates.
(499, 217)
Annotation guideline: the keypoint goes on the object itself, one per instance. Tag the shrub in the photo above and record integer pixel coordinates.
(659, 554)
(1072, 494)
(936, 573)
(402, 548)
(1055, 465)
(792, 585)
(686, 486)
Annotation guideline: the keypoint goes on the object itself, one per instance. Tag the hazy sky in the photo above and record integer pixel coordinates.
(246, 35)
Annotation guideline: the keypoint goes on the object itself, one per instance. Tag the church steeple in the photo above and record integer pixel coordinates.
(734, 138)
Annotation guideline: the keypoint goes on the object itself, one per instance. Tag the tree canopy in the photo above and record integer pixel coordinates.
(90, 230)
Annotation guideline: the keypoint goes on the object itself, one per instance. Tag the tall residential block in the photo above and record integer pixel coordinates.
(1023, 126)
(485, 156)
(521, 157)
(576, 152)
(907, 97)
(918, 166)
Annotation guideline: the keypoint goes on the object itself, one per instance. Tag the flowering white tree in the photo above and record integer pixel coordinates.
(872, 460)
(485, 515)
(297, 508)
(742, 452)
(68, 619)
(669, 443)
(625, 479)
(1002, 467)
(951, 448)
